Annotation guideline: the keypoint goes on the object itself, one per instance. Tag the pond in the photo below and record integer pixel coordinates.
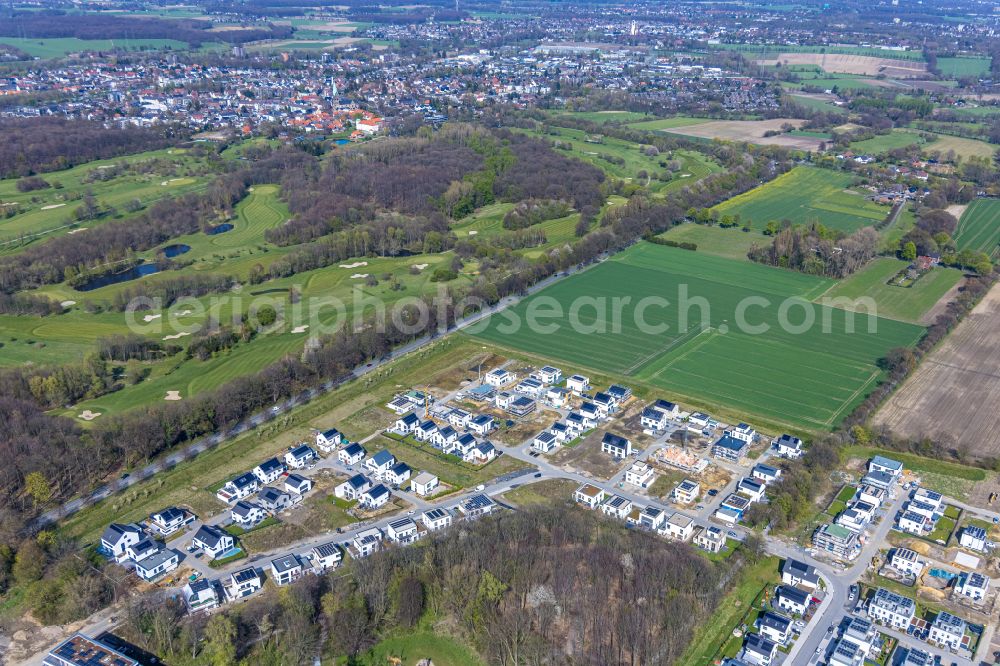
(114, 278)
(341, 142)
(175, 250)
(219, 229)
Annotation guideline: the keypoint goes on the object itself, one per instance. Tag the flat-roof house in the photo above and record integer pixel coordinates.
(617, 507)
(367, 542)
(327, 556)
(328, 440)
(269, 471)
(730, 448)
(117, 537)
(243, 583)
(521, 406)
(152, 567)
(616, 446)
(297, 485)
(212, 540)
(590, 496)
(917, 657)
(709, 538)
(891, 609)
(556, 396)
(796, 573)
(274, 500)
(353, 488)
(423, 484)
(872, 495)
(549, 375)
(351, 454)
(788, 446)
(286, 569)
(459, 418)
(300, 456)
(476, 506)
(375, 497)
(947, 630)
(687, 492)
(879, 480)
(737, 503)
(836, 539)
(81, 650)
(169, 520)
(914, 523)
(758, 650)
(845, 652)
(400, 404)
(652, 518)
(791, 599)
(774, 626)
(887, 465)
(379, 463)
(765, 473)
(544, 442)
(401, 531)
(530, 386)
(499, 377)
(435, 519)
(679, 526)
(200, 595)
(578, 383)
(906, 562)
(247, 514)
(973, 537)
(742, 432)
(861, 632)
(639, 474)
(974, 586)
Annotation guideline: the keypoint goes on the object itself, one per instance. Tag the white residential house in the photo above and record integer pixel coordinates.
(679, 527)
(269, 471)
(351, 454)
(590, 496)
(891, 609)
(425, 430)
(375, 497)
(424, 484)
(379, 463)
(742, 432)
(556, 396)
(885, 465)
(117, 538)
(137, 552)
(561, 432)
(709, 538)
(406, 423)
(435, 519)
(200, 595)
(544, 442)
(765, 473)
(530, 386)
(758, 650)
(400, 404)
(444, 437)
(169, 520)
(687, 492)
(398, 474)
(297, 486)
(328, 440)
(605, 404)
(402, 531)
(774, 626)
(459, 418)
(699, 420)
(906, 562)
(549, 375)
(247, 514)
(367, 542)
(578, 384)
(653, 419)
(931, 498)
(212, 540)
(499, 377)
(152, 567)
(640, 474)
(791, 599)
(327, 556)
(476, 506)
(274, 500)
(947, 630)
(482, 453)
(973, 537)
(799, 574)
(652, 518)
(788, 446)
(616, 446)
(481, 424)
(286, 569)
(914, 523)
(617, 507)
(239, 488)
(243, 583)
(463, 446)
(974, 586)
(300, 456)
(353, 488)
(751, 488)
(872, 495)
(928, 511)
(590, 413)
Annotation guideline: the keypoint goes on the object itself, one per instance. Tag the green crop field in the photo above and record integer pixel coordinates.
(903, 303)
(601, 117)
(668, 123)
(772, 50)
(733, 243)
(962, 148)
(57, 47)
(807, 378)
(804, 195)
(979, 227)
(962, 66)
(886, 142)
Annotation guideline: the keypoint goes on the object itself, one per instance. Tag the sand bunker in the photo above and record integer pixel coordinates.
(359, 275)
(420, 267)
(172, 395)
(149, 318)
(51, 206)
(67, 304)
(300, 329)
(473, 232)
(176, 336)
(355, 264)
(184, 313)
(88, 415)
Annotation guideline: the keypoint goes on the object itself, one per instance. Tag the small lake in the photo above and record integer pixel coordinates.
(219, 229)
(175, 250)
(341, 142)
(114, 278)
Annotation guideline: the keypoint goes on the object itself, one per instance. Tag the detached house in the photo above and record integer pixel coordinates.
(200, 595)
(653, 419)
(947, 630)
(327, 556)
(499, 377)
(402, 531)
(406, 424)
(328, 440)
(788, 446)
(544, 442)
(481, 424)
(765, 473)
(791, 599)
(351, 454)
(353, 488)
(212, 540)
(549, 375)
(687, 492)
(742, 432)
(730, 448)
(424, 484)
(774, 626)
(379, 463)
(758, 650)
(269, 471)
(286, 569)
(246, 514)
(398, 474)
(375, 497)
(156, 564)
(476, 506)
(973, 537)
(893, 468)
(483, 453)
(906, 562)
(616, 446)
(367, 542)
(444, 437)
(274, 500)
(297, 486)
(589, 495)
(243, 583)
(435, 519)
(463, 446)
(679, 526)
(578, 384)
(617, 507)
(425, 430)
(639, 474)
(239, 488)
(799, 574)
(974, 586)
(169, 520)
(300, 456)
(117, 538)
(709, 538)
(652, 518)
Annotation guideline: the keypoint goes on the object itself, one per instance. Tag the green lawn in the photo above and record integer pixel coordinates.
(601, 117)
(763, 51)
(979, 227)
(411, 648)
(668, 123)
(908, 304)
(717, 632)
(846, 493)
(732, 243)
(886, 142)
(950, 479)
(964, 66)
(57, 47)
(808, 378)
(803, 195)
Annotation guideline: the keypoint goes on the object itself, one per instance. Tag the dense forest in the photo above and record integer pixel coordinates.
(818, 251)
(51, 143)
(55, 23)
(555, 585)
